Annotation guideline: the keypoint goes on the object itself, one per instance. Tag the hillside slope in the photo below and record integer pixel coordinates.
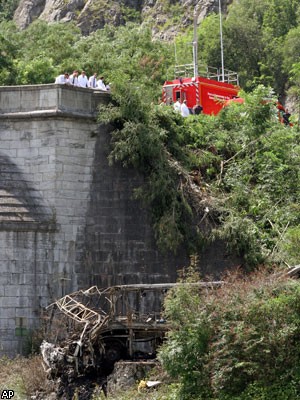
(166, 16)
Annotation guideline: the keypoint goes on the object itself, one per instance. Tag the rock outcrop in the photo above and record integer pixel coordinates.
(91, 15)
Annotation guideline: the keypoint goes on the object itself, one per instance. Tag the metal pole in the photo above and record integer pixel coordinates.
(195, 45)
(221, 40)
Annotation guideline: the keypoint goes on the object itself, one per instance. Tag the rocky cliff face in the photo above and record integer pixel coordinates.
(91, 15)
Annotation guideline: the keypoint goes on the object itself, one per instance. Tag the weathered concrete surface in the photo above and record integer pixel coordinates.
(45, 100)
(118, 237)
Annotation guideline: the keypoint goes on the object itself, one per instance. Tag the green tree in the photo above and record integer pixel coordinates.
(54, 51)
(127, 55)
(35, 71)
(254, 36)
(209, 41)
(243, 48)
(146, 137)
(7, 8)
(291, 52)
(9, 41)
(249, 161)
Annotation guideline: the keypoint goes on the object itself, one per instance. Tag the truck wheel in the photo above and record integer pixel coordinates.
(114, 351)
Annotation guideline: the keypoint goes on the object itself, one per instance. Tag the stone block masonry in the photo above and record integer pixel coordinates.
(46, 157)
(67, 219)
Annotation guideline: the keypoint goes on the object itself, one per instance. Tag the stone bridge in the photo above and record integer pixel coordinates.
(67, 219)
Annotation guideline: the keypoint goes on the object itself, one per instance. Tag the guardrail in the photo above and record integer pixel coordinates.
(187, 70)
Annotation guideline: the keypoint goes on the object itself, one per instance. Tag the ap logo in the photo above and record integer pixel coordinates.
(7, 394)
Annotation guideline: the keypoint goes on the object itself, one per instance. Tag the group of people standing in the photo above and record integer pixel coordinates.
(182, 108)
(81, 80)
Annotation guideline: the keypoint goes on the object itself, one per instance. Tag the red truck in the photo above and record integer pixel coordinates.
(210, 93)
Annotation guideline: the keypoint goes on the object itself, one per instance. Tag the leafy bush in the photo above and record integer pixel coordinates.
(238, 341)
(245, 160)
(7, 8)
(145, 138)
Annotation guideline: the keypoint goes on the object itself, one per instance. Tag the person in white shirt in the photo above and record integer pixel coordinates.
(93, 81)
(101, 84)
(185, 112)
(177, 106)
(83, 80)
(74, 78)
(63, 79)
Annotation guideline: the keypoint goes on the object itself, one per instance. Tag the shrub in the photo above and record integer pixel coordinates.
(232, 342)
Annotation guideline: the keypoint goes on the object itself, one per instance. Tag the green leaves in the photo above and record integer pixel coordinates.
(127, 55)
(146, 137)
(244, 156)
(7, 8)
(221, 340)
(251, 163)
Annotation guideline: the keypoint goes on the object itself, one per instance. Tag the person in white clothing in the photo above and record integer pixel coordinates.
(101, 84)
(74, 78)
(93, 81)
(83, 80)
(185, 112)
(63, 79)
(177, 105)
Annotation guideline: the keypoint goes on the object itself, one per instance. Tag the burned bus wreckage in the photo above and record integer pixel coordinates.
(92, 329)
(89, 330)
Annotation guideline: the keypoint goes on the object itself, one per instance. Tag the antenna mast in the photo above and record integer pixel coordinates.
(195, 44)
(221, 40)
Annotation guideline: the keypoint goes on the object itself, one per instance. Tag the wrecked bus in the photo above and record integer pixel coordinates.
(92, 329)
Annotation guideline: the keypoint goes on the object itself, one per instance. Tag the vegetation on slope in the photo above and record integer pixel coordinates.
(7, 8)
(246, 165)
(237, 342)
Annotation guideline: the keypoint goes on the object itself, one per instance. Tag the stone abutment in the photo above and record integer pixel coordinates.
(68, 220)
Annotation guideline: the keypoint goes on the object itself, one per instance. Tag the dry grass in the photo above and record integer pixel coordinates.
(34, 377)
(25, 376)
(10, 376)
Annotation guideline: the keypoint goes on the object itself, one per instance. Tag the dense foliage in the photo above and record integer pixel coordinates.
(42, 52)
(246, 161)
(144, 137)
(254, 174)
(237, 342)
(7, 8)
(260, 42)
